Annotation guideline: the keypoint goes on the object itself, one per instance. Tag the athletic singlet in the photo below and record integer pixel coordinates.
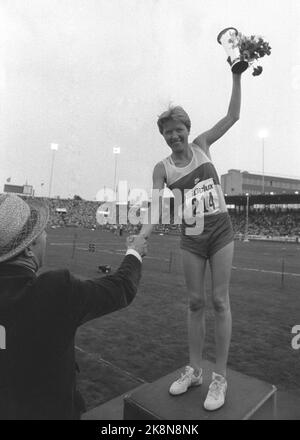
(198, 183)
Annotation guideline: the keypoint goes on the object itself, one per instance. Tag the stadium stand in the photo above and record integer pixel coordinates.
(279, 222)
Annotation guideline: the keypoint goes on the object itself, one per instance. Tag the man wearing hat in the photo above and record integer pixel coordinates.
(40, 314)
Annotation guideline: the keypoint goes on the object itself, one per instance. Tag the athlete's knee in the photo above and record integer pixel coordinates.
(220, 300)
(196, 303)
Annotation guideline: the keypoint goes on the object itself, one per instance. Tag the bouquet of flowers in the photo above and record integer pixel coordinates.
(243, 51)
(252, 48)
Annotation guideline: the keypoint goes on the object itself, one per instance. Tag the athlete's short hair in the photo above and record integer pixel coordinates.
(174, 114)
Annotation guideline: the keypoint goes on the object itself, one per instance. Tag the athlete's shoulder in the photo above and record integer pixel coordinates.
(159, 167)
(159, 172)
(200, 147)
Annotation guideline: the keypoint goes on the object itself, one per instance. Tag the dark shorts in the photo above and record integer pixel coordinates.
(217, 233)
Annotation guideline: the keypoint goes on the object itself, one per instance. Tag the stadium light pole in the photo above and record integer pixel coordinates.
(263, 134)
(53, 147)
(246, 239)
(116, 152)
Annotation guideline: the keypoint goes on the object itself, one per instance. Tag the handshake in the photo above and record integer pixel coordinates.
(138, 243)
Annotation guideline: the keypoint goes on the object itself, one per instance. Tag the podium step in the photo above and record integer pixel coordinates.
(245, 395)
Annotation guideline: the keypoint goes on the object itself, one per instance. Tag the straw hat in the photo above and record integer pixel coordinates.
(20, 224)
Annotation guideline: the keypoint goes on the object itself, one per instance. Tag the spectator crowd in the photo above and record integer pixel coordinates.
(266, 222)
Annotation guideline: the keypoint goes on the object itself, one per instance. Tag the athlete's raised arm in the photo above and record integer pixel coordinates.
(207, 138)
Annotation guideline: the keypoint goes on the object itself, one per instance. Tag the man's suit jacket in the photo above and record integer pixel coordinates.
(40, 315)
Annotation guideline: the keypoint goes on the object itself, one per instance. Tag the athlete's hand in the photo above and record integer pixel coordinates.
(138, 243)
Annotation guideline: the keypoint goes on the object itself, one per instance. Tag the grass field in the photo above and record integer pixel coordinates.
(149, 339)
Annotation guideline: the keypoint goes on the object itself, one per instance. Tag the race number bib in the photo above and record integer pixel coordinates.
(200, 201)
(203, 198)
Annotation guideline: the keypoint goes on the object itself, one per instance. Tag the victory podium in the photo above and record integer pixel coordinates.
(246, 396)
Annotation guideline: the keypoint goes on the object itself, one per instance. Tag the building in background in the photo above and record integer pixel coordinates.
(25, 190)
(237, 182)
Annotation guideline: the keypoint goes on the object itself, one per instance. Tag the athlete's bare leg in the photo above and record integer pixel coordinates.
(194, 271)
(221, 264)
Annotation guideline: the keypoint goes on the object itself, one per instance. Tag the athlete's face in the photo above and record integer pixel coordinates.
(176, 135)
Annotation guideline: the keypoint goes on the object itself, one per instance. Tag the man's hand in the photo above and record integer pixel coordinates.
(138, 243)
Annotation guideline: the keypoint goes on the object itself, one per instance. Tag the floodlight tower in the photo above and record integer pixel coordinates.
(263, 134)
(53, 147)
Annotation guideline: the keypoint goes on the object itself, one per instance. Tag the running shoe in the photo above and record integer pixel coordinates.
(216, 393)
(187, 379)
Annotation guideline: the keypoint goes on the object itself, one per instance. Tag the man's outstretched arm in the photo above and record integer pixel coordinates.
(96, 297)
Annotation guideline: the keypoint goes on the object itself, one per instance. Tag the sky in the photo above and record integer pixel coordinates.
(92, 75)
